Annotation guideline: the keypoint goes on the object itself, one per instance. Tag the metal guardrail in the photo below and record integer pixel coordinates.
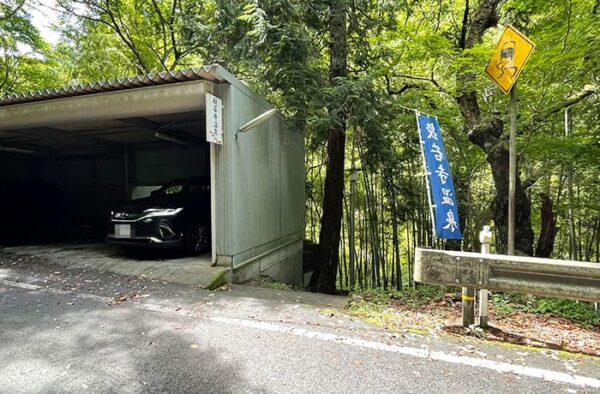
(574, 280)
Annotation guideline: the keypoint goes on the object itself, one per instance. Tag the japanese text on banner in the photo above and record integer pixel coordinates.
(440, 180)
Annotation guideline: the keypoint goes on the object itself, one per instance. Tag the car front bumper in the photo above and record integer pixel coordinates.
(145, 242)
(144, 234)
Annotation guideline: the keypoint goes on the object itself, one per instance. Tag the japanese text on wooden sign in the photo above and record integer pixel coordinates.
(214, 119)
(443, 197)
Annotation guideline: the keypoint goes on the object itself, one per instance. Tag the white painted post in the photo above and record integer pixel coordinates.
(485, 237)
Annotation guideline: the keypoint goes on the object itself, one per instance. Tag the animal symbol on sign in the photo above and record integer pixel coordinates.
(506, 62)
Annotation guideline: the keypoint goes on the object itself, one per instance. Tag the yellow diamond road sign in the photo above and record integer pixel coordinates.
(510, 57)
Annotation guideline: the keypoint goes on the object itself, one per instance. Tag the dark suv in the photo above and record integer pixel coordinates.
(176, 215)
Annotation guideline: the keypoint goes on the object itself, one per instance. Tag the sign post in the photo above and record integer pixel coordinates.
(512, 170)
(505, 66)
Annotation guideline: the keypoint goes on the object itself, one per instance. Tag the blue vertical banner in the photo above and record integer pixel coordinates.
(443, 197)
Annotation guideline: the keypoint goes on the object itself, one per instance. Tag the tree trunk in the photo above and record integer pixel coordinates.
(549, 230)
(395, 238)
(371, 203)
(489, 137)
(329, 238)
(523, 231)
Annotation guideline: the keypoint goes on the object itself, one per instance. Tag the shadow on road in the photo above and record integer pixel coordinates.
(49, 344)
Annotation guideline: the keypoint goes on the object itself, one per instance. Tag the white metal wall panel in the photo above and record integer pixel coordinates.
(222, 184)
(263, 179)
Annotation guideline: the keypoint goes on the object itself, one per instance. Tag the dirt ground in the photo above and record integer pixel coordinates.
(544, 331)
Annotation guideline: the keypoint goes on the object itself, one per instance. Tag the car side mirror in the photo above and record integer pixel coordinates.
(154, 193)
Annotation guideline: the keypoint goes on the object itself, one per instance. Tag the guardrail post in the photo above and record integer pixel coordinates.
(468, 306)
(485, 237)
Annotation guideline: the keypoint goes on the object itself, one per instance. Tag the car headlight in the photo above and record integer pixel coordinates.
(152, 213)
(118, 215)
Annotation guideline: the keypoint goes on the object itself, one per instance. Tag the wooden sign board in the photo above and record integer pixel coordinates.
(214, 119)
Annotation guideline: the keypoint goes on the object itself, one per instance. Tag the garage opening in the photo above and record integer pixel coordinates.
(62, 183)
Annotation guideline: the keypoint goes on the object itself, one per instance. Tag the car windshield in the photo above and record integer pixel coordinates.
(173, 189)
(182, 187)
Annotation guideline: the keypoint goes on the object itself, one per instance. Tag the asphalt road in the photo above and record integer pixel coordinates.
(84, 331)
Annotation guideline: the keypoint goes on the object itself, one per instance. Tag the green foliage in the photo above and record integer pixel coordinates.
(379, 299)
(110, 39)
(25, 58)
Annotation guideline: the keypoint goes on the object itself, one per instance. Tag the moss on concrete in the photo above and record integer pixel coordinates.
(218, 281)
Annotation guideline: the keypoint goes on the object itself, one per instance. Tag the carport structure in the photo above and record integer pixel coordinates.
(105, 142)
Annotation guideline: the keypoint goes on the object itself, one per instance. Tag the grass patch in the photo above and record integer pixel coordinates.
(378, 298)
(385, 307)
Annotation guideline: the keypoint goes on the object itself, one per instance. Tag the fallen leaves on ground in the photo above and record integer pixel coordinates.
(545, 331)
(123, 297)
(520, 328)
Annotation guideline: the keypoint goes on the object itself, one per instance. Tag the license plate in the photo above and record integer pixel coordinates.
(122, 230)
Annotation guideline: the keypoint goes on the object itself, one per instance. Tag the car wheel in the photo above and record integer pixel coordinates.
(197, 239)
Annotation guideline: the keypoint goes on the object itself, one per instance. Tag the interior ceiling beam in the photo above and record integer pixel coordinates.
(168, 128)
(143, 123)
(154, 126)
(59, 139)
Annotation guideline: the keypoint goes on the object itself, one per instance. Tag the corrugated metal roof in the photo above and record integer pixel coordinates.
(209, 73)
